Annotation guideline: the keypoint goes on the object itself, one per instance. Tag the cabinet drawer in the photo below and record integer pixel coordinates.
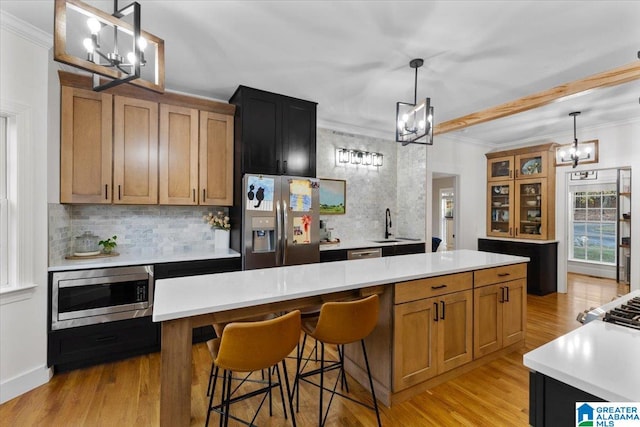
(489, 276)
(431, 287)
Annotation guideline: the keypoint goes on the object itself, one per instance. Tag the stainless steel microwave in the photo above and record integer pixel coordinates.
(85, 297)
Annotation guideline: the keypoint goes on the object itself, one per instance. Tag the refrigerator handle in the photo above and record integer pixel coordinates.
(278, 234)
(284, 232)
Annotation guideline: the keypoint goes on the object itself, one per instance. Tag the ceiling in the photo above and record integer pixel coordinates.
(352, 57)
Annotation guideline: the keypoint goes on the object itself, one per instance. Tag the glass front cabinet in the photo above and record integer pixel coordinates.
(531, 217)
(499, 213)
(521, 193)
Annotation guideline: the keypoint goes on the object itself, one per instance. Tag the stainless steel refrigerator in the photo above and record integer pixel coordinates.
(280, 221)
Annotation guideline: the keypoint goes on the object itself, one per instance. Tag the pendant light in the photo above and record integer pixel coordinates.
(414, 122)
(575, 152)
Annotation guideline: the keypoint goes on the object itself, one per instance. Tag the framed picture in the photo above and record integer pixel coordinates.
(588, 153)
(333, 196)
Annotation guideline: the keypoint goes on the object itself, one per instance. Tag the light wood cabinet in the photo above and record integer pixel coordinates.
(521, 193)
(499, 309)
(135, 151)
(500, 208)
(432, 335)
(216, 159)
(85, 146)
(196, 157)
(532, 208)
(130, 146)
(178, 155)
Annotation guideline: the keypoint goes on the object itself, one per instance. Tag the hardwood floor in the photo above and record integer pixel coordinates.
(126, 393)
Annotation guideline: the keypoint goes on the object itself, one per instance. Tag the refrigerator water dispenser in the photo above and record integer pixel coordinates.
(263, 234)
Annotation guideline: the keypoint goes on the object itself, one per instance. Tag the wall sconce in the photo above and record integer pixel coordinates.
(342, 155)
(356, 157)
(108, 45)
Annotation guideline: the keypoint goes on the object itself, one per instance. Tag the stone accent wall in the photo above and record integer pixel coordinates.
(137, 227)
(369, 189)
(412, 190)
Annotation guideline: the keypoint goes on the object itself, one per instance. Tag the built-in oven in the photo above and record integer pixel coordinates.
(86, 297)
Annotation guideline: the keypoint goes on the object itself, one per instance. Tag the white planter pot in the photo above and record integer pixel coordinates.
(221, 239)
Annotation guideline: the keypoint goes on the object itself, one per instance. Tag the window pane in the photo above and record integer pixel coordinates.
(581, 200)
(579, 214)
(608, 214)
(594, 215)
(609, 201)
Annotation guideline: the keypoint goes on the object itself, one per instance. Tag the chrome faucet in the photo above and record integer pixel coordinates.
(387, 223)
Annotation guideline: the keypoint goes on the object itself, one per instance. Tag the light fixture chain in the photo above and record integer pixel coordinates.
(415, 88)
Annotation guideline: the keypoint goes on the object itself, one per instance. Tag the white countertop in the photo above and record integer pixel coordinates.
(191, 296)
(511, 239)
(142, 256)
(600, 358)
(359, 244)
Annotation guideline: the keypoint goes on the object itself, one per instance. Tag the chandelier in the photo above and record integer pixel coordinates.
(575, 154)
(414, 122)
(113, 45)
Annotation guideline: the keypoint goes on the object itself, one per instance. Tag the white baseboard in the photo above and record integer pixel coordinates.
(590, 269)
(23, 383)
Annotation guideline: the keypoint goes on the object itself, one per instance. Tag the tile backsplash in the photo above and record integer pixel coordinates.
(137, 227)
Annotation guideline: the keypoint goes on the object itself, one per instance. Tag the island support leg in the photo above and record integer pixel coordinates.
(175, 374)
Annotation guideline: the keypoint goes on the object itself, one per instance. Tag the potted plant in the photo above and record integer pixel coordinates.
(221, 225)
(108, 244)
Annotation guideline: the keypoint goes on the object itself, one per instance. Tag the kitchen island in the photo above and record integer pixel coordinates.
(182, 303)
(595, 362)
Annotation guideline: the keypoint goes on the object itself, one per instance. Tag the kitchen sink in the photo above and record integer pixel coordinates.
(385, 241)
(410, 239)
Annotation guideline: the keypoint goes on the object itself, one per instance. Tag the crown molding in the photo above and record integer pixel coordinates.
(25, 30)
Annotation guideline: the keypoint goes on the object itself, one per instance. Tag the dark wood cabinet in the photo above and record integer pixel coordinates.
(542, 269)
(274, 134)
(553, 403)
(341, 254)
(83, 346)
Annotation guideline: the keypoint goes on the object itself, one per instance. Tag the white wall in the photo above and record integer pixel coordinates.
(23, 81)
(451, 156)
(619, 146)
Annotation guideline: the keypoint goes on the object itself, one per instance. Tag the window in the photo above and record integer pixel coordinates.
(594, 223)
(16, 203)
(4, 205)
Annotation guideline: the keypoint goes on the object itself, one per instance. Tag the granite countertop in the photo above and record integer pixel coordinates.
(211, 293)
(360, 244)
(143, 256)
(600, 358)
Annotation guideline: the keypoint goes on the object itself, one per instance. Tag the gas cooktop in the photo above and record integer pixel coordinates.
(626, 314)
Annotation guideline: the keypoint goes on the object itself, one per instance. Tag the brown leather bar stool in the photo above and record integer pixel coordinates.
(253, 346)
(340, 323)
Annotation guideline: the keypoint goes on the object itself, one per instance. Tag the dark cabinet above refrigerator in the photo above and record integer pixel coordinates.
(274, 134)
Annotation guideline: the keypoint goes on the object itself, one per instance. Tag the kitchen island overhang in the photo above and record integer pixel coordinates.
(183, 303)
